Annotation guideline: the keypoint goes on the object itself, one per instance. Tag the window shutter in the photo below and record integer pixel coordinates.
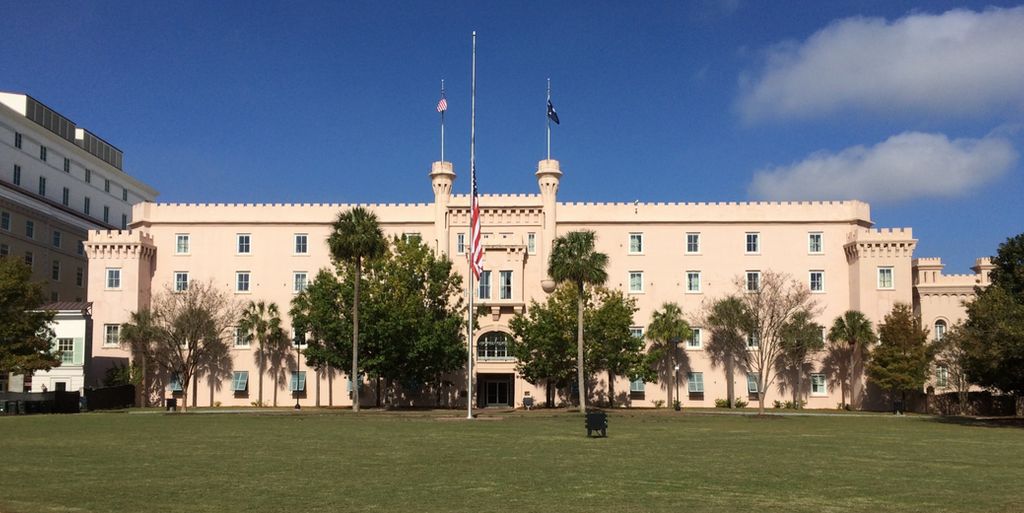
(79, 358)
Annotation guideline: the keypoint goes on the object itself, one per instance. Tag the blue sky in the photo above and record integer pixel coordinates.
(916, 107)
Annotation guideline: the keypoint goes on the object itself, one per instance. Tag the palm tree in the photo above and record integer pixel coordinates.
(140, 333)
(729, 322)
(356, 235)
(801, 338)
(668, 329)
(853, 328)
(574, 260)
(260, 321)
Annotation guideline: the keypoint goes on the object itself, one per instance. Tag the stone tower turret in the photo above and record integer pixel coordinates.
(442, 177)
(548, 177)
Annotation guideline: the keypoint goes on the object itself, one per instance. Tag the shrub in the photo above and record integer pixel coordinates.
(677, 404)
(721, 403)
(659, 403)
(778, 404)
(740, 403)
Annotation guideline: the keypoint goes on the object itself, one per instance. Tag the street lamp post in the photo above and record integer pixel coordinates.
(679, 402)
(298, 353)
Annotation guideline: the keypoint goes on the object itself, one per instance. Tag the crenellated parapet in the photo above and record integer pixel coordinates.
(929, 280)
(735, 212)
(119, 244)
(880, 243)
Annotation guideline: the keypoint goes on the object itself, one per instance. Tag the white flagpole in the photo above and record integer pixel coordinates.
(548, 118)
(472, 170)
(442, 122)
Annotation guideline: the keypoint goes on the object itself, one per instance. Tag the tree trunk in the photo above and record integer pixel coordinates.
(579, 350)
(672, 381)
(274, 382)
(330, 387)
(318, 378)
(797, 390)
(730, 384)
(195, 389)
(852, 374)
(211, 389)
(259, 397)
(355, 339)
(611, 389)
(377, 400)
(549, 395)
(184, 395)
(760, 393)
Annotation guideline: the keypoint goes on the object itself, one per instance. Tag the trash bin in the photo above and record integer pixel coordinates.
(172, 404)
(897, 407)
(597, 421)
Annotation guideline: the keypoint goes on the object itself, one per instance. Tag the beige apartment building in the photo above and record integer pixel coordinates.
(688, 253)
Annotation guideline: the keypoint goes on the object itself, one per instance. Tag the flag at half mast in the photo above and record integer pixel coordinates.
(476, 251)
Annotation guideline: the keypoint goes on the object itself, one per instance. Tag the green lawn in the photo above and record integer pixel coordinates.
(538, 461)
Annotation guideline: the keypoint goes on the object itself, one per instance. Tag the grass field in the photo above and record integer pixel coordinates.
(533, 462)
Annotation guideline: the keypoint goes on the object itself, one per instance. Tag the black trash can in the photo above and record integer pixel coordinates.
(172, 404)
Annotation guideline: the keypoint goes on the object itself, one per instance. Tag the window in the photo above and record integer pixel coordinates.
(636, 386)
(753, 340)
(88, 176)
(42, 153)
(67, 165)
(753, 281)
(636, 243)
(636, 331)
(693, 243)
(695, 382)
(181, 245)
(113, 278)
(106, 214)
(124, 194)
(885, 278)
(753, 242)
(485, 285)
(30, 229)
(65, 197)
(492, 345)
(66, 346)
(817, 279)
(17, 140)
(174, 384)
(636, 282)
(5, 250)
(412, 237)
(86, 205)
(299, 281)
(940, 329)
(56, 239)
(505, 290)
(942, 376)
(5, 220)
(111, 335)
(29, 259)
(42, 186)
(180, 281)
(752, 385)
(818, 384)
(124, 221)
(814, 243)
(106, 185)
(17, 175)
(301, 243)
(460, 243)
(242, 281)
(244, 243)
(693, 281)
(55, 270)
(81, 248)
(79, 276)
(240, 381)
(531, 243)
(298, 382)
(241, 338)
(695, 341)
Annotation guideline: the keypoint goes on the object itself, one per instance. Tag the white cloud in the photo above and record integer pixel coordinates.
(908, 165)
(956, 63)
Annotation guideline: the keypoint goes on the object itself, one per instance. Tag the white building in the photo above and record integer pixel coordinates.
(71, 326)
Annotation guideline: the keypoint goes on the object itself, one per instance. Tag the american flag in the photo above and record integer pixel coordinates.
(442, 105)
(476, 251)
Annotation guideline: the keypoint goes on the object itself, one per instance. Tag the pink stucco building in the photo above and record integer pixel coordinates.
(689, 253)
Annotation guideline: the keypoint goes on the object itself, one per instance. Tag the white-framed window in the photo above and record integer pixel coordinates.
(244, 243)
(17, 175)
(692, 281)
(241, 337)
(636, 386)
(182, 244)
(695, 382)
(301, 243)
(817, 281)
(66, 346)
(113, 278)
(752, 382)
(814, 243)
(492, 345)
(30, 229)
(753, 340)
(242, 281)
(695, 341)
(460, 243)
(111, 335)
(940, 329)
(819, 386)
(693, 243)
(753, 281)
(753, 245)
(636, 243)
(636, 331)
(942, 376)
(412, 237)
(505, 285)
(531, 243)
(240, 381)
(180, 281)
(55, 270)
(56, 239)
(174, 384)
(636, 282)
(484, 290)
(29, 259)
(299, 281)
(885, 280)
(298, 381)
(5, 221)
